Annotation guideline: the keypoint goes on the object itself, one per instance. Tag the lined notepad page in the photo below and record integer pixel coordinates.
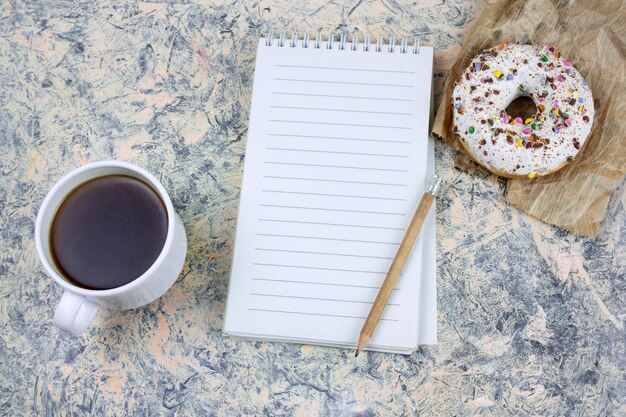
(335, 167)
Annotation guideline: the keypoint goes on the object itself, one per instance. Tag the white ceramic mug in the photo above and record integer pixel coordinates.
(79, 305)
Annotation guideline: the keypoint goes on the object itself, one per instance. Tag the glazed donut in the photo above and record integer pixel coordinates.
(507, 145)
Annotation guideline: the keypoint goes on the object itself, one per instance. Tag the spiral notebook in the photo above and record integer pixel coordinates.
(338, 156)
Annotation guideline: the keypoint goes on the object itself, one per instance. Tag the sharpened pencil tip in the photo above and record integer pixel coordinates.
(356, 353)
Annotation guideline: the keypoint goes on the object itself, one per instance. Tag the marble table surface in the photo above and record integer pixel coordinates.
(531, 319)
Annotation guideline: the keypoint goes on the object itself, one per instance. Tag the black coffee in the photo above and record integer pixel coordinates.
(108, 232)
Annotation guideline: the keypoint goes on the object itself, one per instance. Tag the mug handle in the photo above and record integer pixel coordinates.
(74, 313)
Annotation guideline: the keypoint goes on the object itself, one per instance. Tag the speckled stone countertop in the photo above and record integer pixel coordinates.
(531, 319)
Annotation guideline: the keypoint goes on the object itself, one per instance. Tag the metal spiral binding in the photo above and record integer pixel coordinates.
(355, 44)
(355, 41)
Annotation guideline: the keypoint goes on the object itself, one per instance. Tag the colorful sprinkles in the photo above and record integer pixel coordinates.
(531, 146)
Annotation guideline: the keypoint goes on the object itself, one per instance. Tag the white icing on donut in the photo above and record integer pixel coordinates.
(534, 147)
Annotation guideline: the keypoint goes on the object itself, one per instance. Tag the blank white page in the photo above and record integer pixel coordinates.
(334, 170)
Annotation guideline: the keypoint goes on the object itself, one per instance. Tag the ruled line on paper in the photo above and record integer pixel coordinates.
(331, 224)
(339, 124)
(318, 298)
(333, 180)
(336, 166)
(344, 69)
(330, 284)
(314, 314)
(302, 80)
(342, 110)
(323, 253)
(338, 138)
(333, 209)
(341, 96)
(334, 195)
(320, 268)
(336, 152)
(328, 238)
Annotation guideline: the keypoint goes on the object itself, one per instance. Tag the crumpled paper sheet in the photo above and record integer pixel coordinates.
(592, 35)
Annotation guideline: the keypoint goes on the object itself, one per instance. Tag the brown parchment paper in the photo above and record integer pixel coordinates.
(591, 34)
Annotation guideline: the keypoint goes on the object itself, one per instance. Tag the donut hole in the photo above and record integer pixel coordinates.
(522, 106)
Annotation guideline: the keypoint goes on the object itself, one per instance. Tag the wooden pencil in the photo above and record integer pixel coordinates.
(410, 236)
